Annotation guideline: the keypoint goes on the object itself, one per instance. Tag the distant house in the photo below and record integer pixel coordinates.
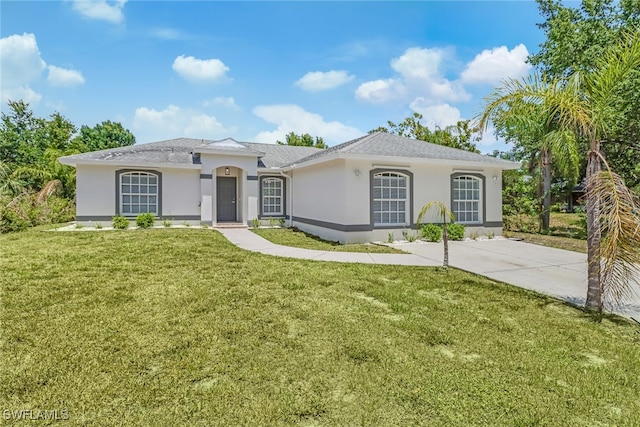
(353, 192)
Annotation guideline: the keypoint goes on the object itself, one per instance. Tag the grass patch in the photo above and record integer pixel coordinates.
(179, 327)
(300, 239)
(567, 243)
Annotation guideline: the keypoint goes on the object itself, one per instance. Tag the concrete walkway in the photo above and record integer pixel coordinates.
(556, 272)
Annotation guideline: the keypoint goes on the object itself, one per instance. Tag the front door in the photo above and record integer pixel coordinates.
(226, 198)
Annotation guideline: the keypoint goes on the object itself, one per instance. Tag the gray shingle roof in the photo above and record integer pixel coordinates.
(178, 151)
(389, 145)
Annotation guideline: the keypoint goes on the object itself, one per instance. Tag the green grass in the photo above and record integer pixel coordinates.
(300, 239)
(563, 233)
(179, 327)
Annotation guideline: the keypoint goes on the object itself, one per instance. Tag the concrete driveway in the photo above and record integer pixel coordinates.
(555, 272)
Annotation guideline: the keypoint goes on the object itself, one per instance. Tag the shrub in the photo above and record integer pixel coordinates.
(431, 232)
(29, 209)
(409, 236)
(390, 237)
(521, 222)
(166, 223)
(281, 222)
(145, 220)
(455, 231)
(98, 226)
(255, 223)
(119, 222)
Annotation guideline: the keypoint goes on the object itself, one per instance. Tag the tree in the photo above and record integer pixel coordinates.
(461, 135)
(540, 142)
(443, 213)
(303, 140)
(102, 136)
(584, 104)
(576, 37)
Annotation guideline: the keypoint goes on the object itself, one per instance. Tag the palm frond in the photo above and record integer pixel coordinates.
(620, 225)
(439, 208)
(564, 150)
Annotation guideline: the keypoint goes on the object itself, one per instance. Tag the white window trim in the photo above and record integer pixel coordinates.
(271, 179)
(122, 194)
(480, 199)
(406, 199)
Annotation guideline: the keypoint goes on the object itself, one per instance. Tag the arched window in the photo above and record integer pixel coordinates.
(467, 199)
(272, 196)
(138, 193)
(390, 199)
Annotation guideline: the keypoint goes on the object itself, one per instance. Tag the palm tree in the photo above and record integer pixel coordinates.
(443, 212)
(583, 104)
(528, 124)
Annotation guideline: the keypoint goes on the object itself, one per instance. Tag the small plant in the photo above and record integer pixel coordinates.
(455, 231)
(431, 232)
(475, 235)
(166, 223)
(145, 220)
(409, 236)
(186, 224)
(99, 225)
(281, 222)
(491, 235)
(204, 225)
(391, 237)
(78, 226)
(255, 223)
(119, 222)
(272, 222)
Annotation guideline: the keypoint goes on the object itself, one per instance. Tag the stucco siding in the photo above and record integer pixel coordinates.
(319, 192)
(180, 192)
(95, 191)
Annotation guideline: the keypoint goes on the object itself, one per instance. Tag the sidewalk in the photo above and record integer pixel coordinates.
(556, 272)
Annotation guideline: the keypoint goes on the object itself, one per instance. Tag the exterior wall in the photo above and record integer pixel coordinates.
(96, 193)
(319, 193)
(337, 197)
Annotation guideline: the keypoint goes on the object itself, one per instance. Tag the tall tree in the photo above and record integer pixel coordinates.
(303, 140)
(461, 135)
(102, 136)
(576, 37)
(583, 103)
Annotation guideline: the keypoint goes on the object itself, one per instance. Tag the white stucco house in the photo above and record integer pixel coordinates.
(353, 192)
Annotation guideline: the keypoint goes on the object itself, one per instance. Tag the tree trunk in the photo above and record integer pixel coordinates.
(594, 234)
(546, 190)
(445, 242)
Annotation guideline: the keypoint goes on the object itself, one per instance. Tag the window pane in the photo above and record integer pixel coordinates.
(134, 179)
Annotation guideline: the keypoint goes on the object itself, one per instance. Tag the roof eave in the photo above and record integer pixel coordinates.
(66, 161)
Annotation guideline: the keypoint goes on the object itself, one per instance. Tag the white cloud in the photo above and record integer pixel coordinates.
(63, 77)
(493, 66)
(293, 118)
(20, 65)
(101, 9)
(317, 80)
(419, 75)
(169, 34)
(173, 121)
(436, 115)
(199, 70)
(227, 102)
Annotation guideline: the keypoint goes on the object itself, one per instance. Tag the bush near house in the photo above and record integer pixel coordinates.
(119, 222)
(431, 232)
(456, 231)
(145, 220)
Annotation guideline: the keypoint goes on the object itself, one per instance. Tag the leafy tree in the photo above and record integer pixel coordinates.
(102, 136)
(460, 135)
(584, 103)
(576, 38)
(303, 140)
(541, 143)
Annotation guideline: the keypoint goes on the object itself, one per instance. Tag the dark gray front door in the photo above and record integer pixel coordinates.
(226, 198)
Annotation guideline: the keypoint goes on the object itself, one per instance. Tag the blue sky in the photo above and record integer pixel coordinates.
(254, 71)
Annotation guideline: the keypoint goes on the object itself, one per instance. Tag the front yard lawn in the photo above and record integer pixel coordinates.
(179, 327)
(300, 239)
